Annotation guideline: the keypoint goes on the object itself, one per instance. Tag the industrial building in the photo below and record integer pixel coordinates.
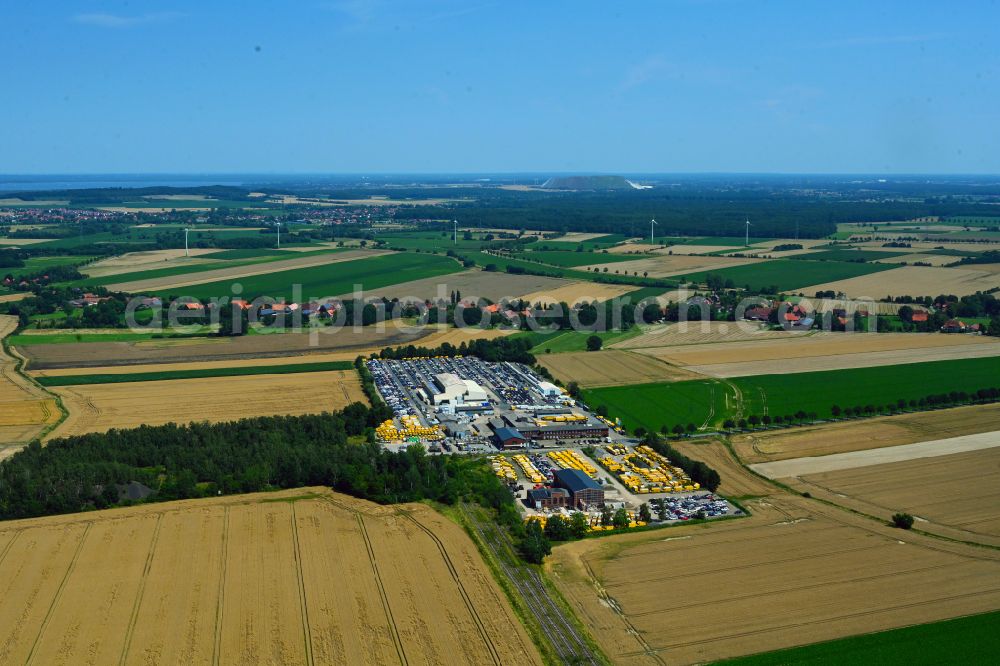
(455, 390)
(548, 498)
(509, 438)
(584, 492)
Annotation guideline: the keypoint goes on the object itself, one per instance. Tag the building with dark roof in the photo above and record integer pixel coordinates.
(548, 498)
(509, 438)
(583, 490)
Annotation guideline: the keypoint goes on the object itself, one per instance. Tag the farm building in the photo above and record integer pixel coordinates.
(509, 438)
(583, 490)
(548, 498)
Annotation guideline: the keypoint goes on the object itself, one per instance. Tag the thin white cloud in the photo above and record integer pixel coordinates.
(105, 20)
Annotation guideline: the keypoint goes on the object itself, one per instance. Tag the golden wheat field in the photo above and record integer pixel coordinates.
(611, 367)
(574, 292)
(912, 281)
(786, 576)
(101, 407)
(142, 261)
(25, 409)
(297, 577)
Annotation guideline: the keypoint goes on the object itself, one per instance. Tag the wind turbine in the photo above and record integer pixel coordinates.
(652, 223)
(748, 233)
(186, 230)
(456, 232)
(278, 224)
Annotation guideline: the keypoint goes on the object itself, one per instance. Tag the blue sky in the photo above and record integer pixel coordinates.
(443, 86)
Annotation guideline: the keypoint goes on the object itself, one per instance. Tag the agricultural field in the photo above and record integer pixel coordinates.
(920, 257)
(224, 271)
(951, 486)
(99, 407)
(965, 640)
(853, 254)
(298, 576)
(793, 274)
(191, 373)
(708, 402)
(132, 262)
(655, 405)
(668, 265)
(911, 281)
(703, 332)
(570, 259)
(472, 284)
(823, 351)
(609, 368)
(557, 342)
(329, 278)
(25, 410)
(577, 291)
(881, 432)
(786, 576)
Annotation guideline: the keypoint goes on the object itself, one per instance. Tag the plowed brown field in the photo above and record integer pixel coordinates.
(301, 576)
(797, 571)
(101, 407)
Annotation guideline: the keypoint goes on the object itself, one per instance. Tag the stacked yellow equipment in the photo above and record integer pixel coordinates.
(528, 468)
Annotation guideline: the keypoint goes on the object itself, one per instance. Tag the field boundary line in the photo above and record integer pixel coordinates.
(220, 603)
(381, 589)
(142, 587)
(461, 588)
(59, 591)
(306, 631)
(20, 365)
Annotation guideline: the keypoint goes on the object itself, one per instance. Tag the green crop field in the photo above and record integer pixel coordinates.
(654, 405)
(37, 264)
(118, 378)
(598, 243)
(330, 279)
(575, 341)
(967, 640)
(791, 274)
(573, 259)
(818, 391)
(250, 253)
(849, 254)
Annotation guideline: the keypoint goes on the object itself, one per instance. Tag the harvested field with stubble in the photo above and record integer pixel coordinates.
(101, 407)
(472, 284)
(825, 351)
(796, 572)
(955, 495)
(700, 333)
(183, 350)
(664, 265)
(141, 261)
(859, 435)
(25, 408)
(574, 292)
(299, 576)
(611, 368)
(912, 281)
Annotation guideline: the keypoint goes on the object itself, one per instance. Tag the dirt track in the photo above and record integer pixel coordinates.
(300, 576)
